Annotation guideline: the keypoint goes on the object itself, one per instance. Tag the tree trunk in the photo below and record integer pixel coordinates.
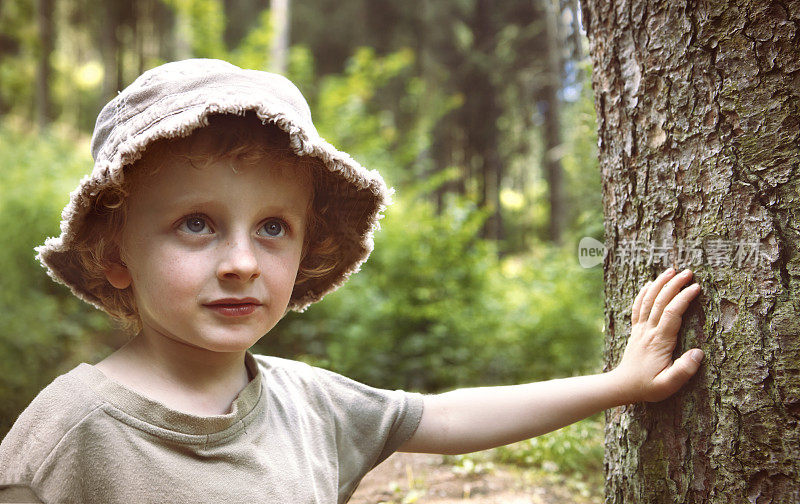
(110, 50)
(483, 112)
(552, 123)
(698, 107)
(280, 44)
(241, 16)
(182, 35)
(43, 101)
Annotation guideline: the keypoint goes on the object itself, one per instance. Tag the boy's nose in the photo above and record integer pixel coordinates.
(239, 262)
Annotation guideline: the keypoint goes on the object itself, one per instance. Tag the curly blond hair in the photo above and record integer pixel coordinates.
(242, 138)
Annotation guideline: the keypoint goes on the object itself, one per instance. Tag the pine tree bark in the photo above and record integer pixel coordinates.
(698, 107)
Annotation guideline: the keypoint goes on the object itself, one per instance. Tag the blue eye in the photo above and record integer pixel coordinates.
(273, 228)
(196, 225)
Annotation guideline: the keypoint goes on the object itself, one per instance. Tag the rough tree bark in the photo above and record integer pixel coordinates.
(698, 107)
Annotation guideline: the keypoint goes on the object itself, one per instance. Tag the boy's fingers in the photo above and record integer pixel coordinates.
(674, 377)
(652, 292)
(666, 295)
(637, 304)
(672, 316)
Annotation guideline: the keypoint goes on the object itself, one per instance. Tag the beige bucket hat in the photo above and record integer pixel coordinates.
(176, 98)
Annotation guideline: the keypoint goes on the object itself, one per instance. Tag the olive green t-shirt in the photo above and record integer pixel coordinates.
(295, 434)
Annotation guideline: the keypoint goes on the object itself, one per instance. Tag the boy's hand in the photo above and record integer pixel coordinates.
(646, 371)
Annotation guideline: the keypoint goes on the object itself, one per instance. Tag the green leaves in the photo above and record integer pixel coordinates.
(44, 330)
(202, 23)
(575, 449)
(434, 308)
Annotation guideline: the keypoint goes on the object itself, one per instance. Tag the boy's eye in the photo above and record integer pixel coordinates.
(273, 228)
(195, 225)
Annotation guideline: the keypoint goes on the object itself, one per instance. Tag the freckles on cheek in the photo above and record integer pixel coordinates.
(186, 272)
(175, 277)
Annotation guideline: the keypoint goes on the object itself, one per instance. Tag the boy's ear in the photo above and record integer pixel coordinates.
(118, 276)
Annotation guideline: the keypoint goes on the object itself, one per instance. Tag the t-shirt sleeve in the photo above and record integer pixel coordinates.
(371, 423)
(27, 465)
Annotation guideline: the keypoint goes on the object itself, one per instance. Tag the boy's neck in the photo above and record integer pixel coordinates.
(185, 378)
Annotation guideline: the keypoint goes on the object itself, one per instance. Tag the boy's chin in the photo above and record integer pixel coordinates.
(213, 341)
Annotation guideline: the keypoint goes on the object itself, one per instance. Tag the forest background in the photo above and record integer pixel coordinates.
(478, 113)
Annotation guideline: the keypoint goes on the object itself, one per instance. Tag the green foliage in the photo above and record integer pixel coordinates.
(253, 51)
(581, 166)
(203, 23)
(17, 71)
(469, 464)
(41, 323)
(351, 112)
(555, 306)
(300, 70)
(571, 457)
(412, 316)
(576, 449)
(525, 199)
(435, 307)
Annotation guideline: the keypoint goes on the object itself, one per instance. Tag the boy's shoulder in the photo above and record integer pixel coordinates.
(320, 387)
(290, 374)
(272, 363)
(51, 415)
(281, 369)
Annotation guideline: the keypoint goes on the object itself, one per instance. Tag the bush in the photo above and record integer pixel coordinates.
(421, 312)
(42, 325)
(571, 456)
(434, 308)
(576, 449)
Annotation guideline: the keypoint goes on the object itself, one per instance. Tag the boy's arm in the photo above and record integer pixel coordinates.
(468, 420)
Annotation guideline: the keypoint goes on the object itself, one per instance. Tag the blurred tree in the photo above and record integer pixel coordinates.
(490, 55)
(111, 47)
(553, 149)
(43, 101)
(280, 45)
(241, 17)
(482, 113)
(494, 59)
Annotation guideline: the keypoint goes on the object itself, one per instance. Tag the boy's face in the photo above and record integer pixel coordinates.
(212, 254)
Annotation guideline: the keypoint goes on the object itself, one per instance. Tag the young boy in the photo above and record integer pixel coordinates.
(214, 208)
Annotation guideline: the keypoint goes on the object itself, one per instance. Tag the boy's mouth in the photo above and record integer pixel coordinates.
(232, 307)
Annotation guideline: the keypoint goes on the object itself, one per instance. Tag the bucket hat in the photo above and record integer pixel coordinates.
(173, 100)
